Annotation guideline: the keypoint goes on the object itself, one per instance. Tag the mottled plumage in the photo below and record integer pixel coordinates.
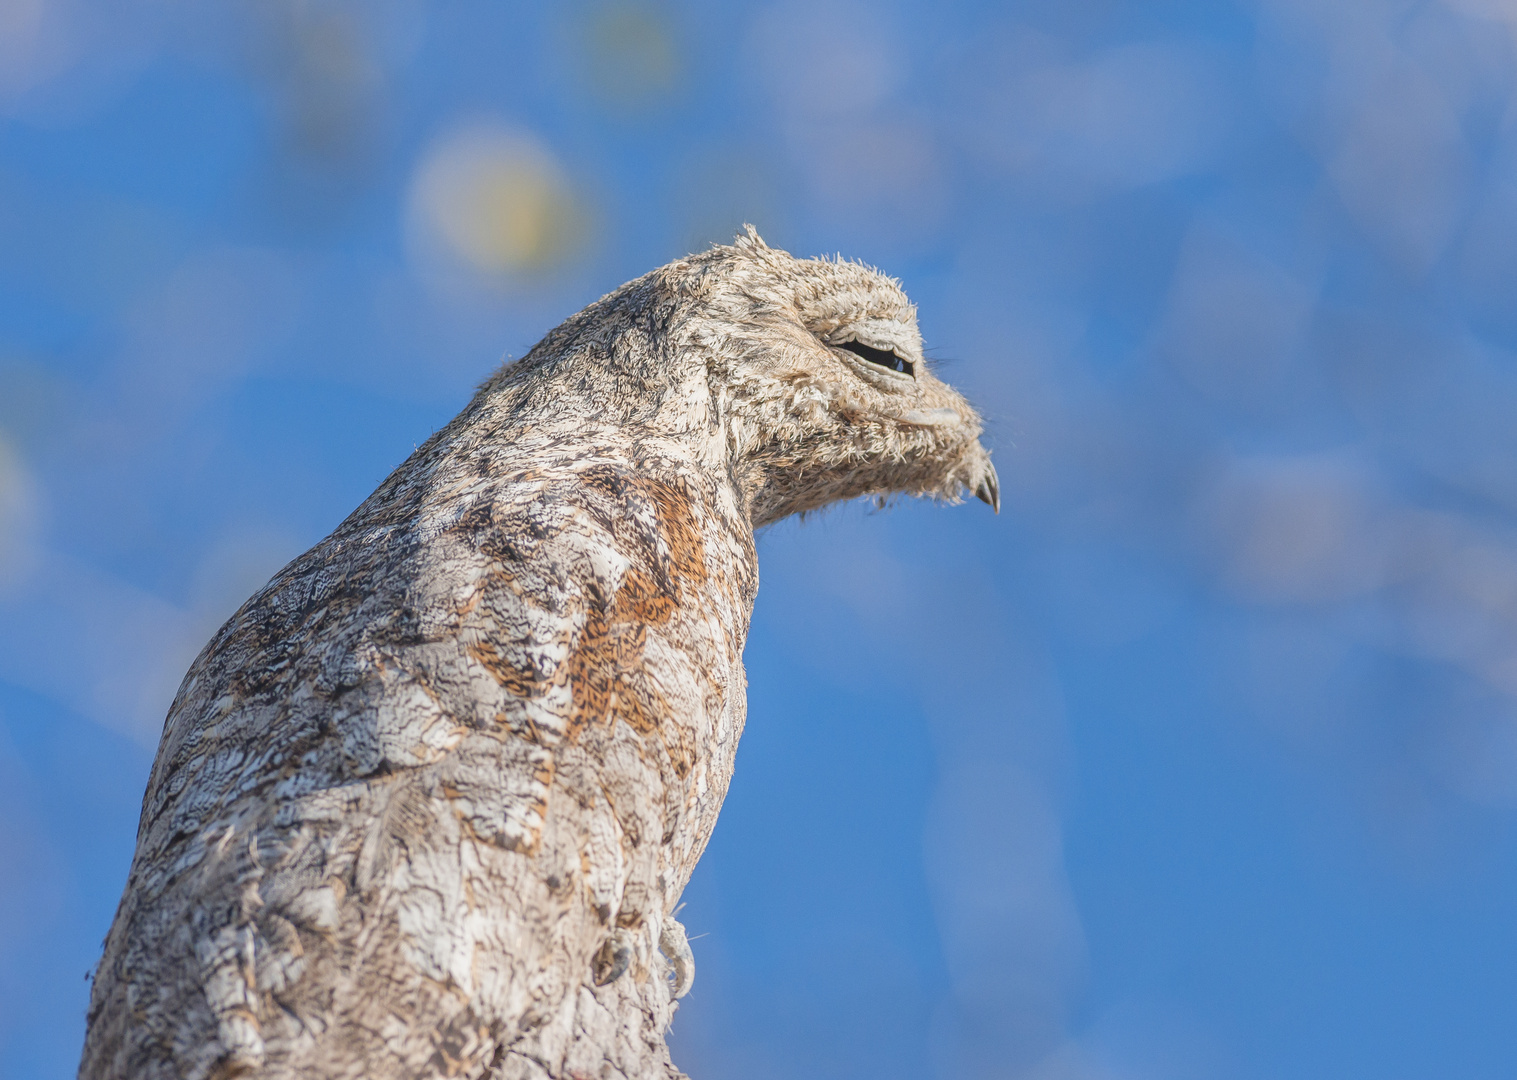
(425, 805)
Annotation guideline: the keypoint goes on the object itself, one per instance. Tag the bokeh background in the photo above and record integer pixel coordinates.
(1200, 761)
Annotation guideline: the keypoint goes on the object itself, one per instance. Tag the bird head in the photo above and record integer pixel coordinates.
(817, 375)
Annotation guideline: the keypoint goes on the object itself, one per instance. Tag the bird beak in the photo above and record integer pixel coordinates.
(989, 489)
(984, 482)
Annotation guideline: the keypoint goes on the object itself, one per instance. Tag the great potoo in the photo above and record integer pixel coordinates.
(425, 805)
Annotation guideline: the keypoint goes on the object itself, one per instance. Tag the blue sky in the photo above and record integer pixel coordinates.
(1199, 761)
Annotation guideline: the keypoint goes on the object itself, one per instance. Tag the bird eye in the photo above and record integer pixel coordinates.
(884, 357)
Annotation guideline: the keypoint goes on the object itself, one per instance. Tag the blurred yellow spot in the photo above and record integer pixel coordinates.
(632, 55)
(499, 201)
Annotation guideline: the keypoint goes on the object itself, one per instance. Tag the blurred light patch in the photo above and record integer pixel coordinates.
(116, 252)
(219, 315)
(1496, 10)
(33, 44)
(106, 649)
(321, 60)
(1487, 255)
(1478, 755)
(329, 67)
(835, 72)
(631, 55)
(1402, 169)
(887, 174)
(1007, 921)
(827, 59)
(1234, 321)
(33, 402)
(1441, 404)
(63, 60)
(1296, 530)
(1396, 634)
(495, 200)
(20, 514)
(1128, 116)
(1385, 102)
(1455, 595)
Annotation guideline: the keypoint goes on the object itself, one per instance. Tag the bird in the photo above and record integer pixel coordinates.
(425, 805)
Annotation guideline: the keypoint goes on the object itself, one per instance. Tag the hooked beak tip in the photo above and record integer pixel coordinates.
(988, 490)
